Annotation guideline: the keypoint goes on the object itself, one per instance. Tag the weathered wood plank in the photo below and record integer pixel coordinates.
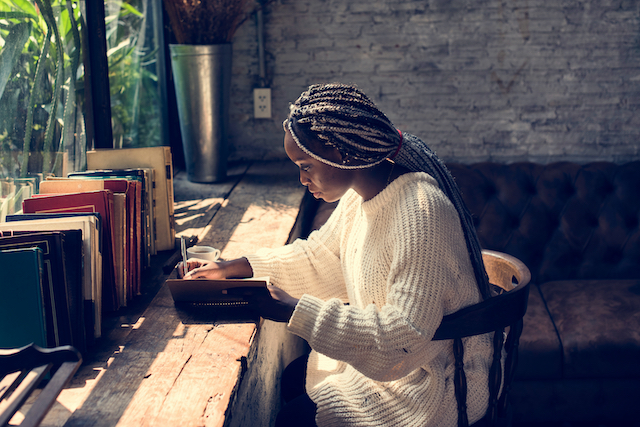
(260, 211)
(180, 386)
(196, 203)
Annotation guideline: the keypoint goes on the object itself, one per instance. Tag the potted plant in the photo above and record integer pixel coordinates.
(201, 66)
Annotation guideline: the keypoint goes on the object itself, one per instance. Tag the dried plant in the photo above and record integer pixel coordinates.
(203, 22)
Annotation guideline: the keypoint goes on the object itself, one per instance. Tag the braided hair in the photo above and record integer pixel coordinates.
(342, 117)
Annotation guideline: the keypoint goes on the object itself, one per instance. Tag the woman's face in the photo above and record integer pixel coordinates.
(323, 181)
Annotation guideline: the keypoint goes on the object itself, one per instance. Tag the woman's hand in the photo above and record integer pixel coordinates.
(204, 269)
(278, 308)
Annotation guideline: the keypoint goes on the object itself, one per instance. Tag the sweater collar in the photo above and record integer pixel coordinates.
(393, 190)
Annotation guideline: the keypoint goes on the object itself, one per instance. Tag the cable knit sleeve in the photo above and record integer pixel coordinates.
(311, 265)
(411, 274)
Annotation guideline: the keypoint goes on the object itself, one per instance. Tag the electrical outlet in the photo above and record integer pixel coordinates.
(262, 103)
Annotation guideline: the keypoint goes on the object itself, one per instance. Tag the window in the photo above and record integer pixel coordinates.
(133, 52)
(41, 77)
(43, 109)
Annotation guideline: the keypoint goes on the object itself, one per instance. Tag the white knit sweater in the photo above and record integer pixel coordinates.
(400, 262)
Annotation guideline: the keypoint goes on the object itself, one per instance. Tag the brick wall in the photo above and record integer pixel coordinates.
(503, 80)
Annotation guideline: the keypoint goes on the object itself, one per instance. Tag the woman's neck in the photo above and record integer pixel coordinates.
(371, 181)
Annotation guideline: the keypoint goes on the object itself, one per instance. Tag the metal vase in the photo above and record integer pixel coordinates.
(202, 80)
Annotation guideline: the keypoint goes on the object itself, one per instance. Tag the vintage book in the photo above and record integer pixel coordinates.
(21, 301)
(132, 188)
(36, 216)
(123, 240)
(126, 234)
(158, 158)
(62, 282)
(90, 201)
(143, 178)
(64, 185)
(120, 247)
(226, 293)
(131, 232)
(91, 266)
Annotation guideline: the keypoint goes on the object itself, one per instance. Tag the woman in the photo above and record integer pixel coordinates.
(369, 289)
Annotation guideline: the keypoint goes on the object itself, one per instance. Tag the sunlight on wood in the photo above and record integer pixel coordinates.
(135, 325)
(17, 419)
(179, 330)
(200, 232)
(184, 220)
(72, 398)
(274, 222)
(198, 204)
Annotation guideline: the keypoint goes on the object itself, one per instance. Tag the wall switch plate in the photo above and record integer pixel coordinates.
(262, 103)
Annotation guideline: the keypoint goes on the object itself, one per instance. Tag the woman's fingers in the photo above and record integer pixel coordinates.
(201, 269)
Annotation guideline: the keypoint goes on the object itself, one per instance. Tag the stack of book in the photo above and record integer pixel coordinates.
(85, 239)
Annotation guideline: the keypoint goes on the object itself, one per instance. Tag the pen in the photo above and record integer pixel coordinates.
(183, 249)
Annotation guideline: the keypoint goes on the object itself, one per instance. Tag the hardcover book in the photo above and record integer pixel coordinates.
(22, 319)
(90, 201)
(59, 185)
(91, 266)
(158, 158)
(143, 181)
(132, 188)
(123, 228)
(62, 282)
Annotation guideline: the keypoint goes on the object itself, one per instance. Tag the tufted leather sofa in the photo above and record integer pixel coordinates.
(577, 229)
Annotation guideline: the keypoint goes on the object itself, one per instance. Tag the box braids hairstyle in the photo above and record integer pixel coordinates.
(343, 117)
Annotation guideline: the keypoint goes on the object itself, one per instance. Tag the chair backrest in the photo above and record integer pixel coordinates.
(505, 270)
(505, 310)
(22, 370)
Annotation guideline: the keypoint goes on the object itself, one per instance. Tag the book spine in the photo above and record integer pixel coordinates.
(40, 263)
(169, 172)
(154, 215)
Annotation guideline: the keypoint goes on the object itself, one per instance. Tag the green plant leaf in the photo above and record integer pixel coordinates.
(16, 15)
(69, 114)
(14, 43)
(132, 9)
(5, 5)
(25, 5)
(64, 23)
(31, 107)
(47, 12)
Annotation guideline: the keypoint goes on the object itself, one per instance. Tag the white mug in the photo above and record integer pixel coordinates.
(203, 252)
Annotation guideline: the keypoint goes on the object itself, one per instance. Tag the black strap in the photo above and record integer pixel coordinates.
(491, 315)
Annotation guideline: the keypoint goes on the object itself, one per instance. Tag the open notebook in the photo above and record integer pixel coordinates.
(224, 293)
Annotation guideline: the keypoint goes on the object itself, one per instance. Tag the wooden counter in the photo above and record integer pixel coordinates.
(159, 366)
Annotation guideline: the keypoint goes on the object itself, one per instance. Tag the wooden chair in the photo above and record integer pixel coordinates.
(22, 369)
(510, 278)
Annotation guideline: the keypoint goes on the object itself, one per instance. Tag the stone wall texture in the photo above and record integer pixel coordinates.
(499, 80)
